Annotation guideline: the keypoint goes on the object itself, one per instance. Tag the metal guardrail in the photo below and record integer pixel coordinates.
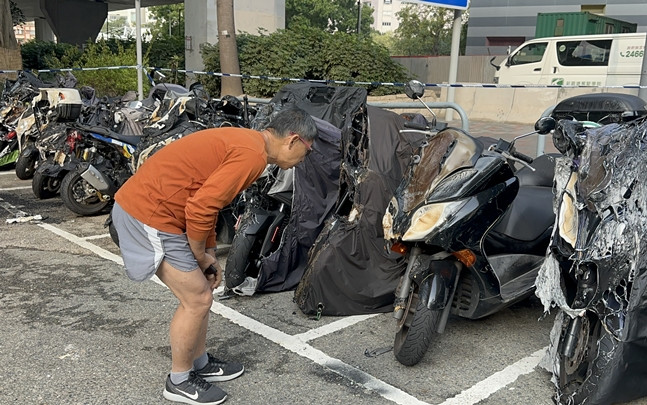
(401, 104)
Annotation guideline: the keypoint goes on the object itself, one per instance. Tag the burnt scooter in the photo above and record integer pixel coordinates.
(460, 217)
(268, 203)
(595, 268)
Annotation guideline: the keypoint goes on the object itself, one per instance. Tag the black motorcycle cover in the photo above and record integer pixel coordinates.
(613, 184)
(350, 270)
(316, 179)
(316, 184)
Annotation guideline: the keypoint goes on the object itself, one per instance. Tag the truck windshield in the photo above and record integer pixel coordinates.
(530, 53)
(584, 53)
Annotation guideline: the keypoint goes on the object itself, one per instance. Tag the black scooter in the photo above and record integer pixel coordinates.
(473, 230)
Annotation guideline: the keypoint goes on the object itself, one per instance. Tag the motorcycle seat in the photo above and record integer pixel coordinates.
(130, 139)
(544, 166)
(534, 202)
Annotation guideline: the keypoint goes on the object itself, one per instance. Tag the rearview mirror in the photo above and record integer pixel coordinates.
(414, 89)
(159, 76)
(544, 125)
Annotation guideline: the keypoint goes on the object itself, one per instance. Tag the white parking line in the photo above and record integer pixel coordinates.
(103, 235)
(297, 344)
(84, 244)
(332, 327)
(16, 188)
(498, 380)
(7, 172)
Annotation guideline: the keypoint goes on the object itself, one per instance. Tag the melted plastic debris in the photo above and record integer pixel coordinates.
(610, 208)
(29, 218)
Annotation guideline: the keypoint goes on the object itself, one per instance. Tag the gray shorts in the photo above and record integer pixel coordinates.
(143, 248)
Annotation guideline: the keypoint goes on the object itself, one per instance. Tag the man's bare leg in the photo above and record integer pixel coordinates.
(189, 324)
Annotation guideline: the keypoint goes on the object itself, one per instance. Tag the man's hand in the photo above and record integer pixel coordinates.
(213, 273)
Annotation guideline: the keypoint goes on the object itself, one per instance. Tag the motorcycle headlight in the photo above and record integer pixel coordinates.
(431, 218)
(568, 220)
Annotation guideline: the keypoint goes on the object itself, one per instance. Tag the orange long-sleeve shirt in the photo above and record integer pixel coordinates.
(183, 186)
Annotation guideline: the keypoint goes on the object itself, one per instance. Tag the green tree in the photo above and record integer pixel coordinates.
(169, 21)
(114, 26)
(103, 53)
(328, 15)
(38, 54)
(166, 47)
(425, 30)
(386, 39)
(307, 53)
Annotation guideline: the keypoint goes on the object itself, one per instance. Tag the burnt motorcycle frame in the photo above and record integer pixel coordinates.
(597, 288)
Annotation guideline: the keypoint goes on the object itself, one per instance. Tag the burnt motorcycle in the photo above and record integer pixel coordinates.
(15, 100)
(49, 106)
(460, 218)
(267, 207)
(60, 149)
(595, 270)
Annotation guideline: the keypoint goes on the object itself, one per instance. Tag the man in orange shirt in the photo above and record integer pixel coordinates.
(165, 217)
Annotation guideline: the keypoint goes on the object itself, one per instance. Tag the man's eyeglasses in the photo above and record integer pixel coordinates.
(308, 147)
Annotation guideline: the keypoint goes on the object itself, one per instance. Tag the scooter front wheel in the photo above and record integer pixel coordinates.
(414, 330)
(584, 364)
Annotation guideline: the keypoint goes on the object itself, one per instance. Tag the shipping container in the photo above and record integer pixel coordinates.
(579, 23)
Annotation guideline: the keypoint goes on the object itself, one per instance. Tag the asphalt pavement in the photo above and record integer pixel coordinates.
(75, 330)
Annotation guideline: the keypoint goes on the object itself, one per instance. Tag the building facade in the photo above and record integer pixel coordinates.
(25, 32)
(385, 17)
(495, 26)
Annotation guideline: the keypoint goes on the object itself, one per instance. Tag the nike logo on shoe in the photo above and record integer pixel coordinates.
(216, 373)
(193, 396)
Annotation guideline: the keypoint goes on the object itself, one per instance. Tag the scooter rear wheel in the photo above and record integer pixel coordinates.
(79, 196)
(414, 331)
(26, 166)
(579, 373)
(44, 186)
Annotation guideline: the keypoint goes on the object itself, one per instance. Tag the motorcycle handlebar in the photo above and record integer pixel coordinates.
(415, 125)
(521, 156)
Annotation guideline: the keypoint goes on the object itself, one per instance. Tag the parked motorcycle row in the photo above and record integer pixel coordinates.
(395, 211)
(83, 148)
(479, 235)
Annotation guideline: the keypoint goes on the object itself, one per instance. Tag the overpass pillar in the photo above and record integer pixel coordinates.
(43, 30)
(201, 25)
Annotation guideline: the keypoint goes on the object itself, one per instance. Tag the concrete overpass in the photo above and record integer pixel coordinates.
(75, 21)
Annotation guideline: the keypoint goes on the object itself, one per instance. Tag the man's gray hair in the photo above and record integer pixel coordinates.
(293, 119)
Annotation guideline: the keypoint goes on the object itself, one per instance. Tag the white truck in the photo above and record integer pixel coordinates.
(582, 60)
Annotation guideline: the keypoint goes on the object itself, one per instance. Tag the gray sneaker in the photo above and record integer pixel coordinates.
(217, 370)
(194, 391)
